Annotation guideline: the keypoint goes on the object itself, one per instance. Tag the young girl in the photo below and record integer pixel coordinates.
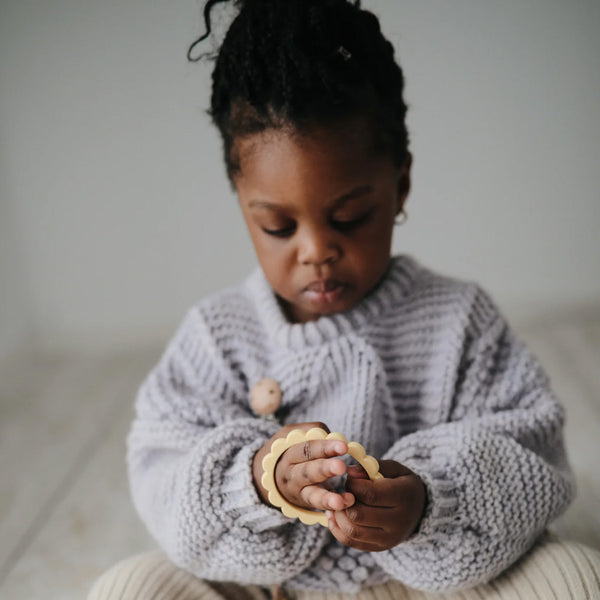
(418, 368)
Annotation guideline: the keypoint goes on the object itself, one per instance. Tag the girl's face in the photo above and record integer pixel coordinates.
(320, 210)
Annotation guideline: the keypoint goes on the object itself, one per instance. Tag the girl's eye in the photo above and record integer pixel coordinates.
(343, 225)
(348, 225)
(283, 232)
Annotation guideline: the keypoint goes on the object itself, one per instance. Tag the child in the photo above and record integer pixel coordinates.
(418, 368)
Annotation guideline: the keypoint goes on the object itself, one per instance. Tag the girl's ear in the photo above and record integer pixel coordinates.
(403, 183)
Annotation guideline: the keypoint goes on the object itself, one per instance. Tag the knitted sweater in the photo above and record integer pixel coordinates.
(423, 371)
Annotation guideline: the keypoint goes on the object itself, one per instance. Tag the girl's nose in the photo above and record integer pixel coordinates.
(317, 249)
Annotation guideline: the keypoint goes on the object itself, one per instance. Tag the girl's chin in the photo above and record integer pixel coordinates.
(303, 312)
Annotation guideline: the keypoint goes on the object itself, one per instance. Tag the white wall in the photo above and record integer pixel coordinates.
(122, 213)
(15, 311)
(505, 123)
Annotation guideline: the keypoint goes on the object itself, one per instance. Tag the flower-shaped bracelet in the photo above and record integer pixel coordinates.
(299, 436)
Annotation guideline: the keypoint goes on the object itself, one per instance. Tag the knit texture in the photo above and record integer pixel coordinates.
(424, 371)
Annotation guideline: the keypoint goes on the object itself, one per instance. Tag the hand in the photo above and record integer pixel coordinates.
(386, 512)
(302, 471)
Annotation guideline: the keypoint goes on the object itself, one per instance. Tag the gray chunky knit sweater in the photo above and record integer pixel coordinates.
(423, 371)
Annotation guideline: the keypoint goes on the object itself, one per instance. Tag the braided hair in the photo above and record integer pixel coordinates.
(300, 64)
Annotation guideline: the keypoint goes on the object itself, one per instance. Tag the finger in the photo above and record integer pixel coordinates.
(311, 472)
(354, 536)
(366, 492)
(400, 492)
(348, 500)
(319, 498)
(356, 472)
(315, 449)
(375, 517)
(382, 492)
(391, 469)
(286, 429)
(358, 523)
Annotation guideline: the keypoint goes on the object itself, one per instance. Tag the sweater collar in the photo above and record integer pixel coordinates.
(393, 286)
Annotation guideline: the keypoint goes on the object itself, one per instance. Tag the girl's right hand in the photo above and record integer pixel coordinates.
(302, 471)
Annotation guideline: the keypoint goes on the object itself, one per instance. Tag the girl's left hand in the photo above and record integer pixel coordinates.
(386, 512)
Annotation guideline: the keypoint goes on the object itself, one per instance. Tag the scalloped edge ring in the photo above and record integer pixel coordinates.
(299, 436)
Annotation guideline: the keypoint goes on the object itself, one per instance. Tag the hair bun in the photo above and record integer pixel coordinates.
(301, 63)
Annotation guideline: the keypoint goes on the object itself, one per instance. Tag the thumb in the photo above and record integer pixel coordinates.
(391, 468)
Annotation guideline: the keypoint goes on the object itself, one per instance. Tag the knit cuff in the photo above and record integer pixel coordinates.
(407, 561)
(442, 508)
(240, 497)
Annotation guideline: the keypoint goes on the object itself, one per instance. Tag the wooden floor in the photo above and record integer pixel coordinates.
(65, 514)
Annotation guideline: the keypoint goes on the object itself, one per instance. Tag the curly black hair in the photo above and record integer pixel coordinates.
(300, 64)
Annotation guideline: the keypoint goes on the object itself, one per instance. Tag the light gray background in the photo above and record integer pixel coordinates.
(115, 213)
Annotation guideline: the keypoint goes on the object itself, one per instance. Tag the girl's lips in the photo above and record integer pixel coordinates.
(324, 291)
(323, 285)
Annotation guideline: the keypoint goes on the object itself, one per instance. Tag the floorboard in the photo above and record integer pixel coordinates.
(92, 527)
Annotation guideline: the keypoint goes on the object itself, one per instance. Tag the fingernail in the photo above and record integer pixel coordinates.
(329, 515)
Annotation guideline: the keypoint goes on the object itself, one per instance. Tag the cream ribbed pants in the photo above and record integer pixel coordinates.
(553, 570)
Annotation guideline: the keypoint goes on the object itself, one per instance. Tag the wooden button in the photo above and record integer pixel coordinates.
(265, 397)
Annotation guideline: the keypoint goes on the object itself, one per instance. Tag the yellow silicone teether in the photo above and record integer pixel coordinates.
(298, 436)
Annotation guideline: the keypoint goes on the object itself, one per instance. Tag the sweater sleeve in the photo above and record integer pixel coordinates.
(496, 472)
(190, 452)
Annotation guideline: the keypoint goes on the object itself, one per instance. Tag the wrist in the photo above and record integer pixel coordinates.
(423, 496)
(257, 472)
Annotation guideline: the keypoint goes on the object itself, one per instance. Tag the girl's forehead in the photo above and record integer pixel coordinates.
(347, 143)
(309, 171)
